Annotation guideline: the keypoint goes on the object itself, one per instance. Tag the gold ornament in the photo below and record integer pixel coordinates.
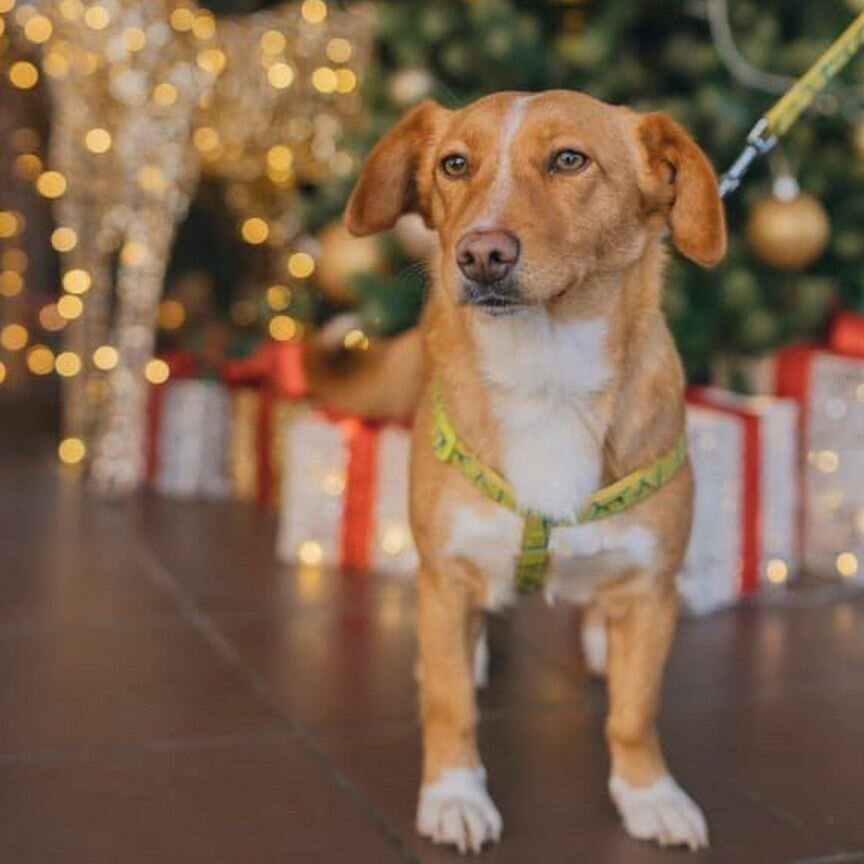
(789, 234)
(342, 256)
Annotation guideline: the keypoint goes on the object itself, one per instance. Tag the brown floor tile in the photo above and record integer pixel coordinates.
(547, 774)
(346, 667)
(90, 687)
(241, 802)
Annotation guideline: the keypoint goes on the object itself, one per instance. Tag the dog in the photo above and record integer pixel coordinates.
(544, 345)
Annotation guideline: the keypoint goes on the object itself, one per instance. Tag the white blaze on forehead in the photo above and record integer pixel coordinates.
(503, 183)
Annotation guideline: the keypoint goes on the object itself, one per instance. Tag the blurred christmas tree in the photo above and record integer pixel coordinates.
(778, 285)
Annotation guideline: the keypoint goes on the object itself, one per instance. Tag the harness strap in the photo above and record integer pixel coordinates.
(533, 560)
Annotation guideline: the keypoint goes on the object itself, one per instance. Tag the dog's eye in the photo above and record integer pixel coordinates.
(568, 160)
(454, 165)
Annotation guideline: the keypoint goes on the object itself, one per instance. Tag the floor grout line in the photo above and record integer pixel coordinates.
(203, 624)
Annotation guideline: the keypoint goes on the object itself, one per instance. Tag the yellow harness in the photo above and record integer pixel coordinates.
(533, 557)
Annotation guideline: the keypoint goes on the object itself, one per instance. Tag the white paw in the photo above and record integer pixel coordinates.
(457, 809)
(663, 812)
(594, 647)
(481, 660)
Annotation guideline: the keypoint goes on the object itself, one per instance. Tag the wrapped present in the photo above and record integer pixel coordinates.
(263, 385)
(744, 455)
(189, 421)
(828, 384)
(344, 498)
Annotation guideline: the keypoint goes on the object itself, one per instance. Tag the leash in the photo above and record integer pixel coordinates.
(782, 116)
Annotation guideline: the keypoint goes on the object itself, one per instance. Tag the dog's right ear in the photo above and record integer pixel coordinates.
(388, 187)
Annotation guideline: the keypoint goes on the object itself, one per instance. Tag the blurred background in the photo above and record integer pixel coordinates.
(172, 181)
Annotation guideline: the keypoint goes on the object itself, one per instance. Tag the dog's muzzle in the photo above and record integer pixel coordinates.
(494, 298)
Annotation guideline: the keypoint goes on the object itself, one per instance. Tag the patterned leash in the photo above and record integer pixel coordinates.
(777, 122)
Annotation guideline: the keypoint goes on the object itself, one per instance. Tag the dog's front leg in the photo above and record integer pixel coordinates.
(652, 805)
(454, 805)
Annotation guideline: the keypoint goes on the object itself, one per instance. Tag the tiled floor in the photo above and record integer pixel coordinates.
(170, 694)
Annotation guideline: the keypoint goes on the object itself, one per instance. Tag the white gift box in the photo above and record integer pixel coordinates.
(193, 440)
(834, 470)
(745, 528)
(344, 498)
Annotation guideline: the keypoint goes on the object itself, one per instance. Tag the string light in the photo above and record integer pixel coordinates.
(356, 340)
(40, 360)
(165, 94)
(280, 158)
(50, 318)
(301, 265)
(310, 553)
(97, 17)
(283, 328)
(11, 283)
(70, 307)
(212, 60)
(14, 259)
(51, 184)
(273, 42)
(67, 364)
(2, 371)
(71, 451)
(346, 81)
(847, 564)
(182, 19)
(134, 253)
(777, 571)
(324, 79)
(280, 76)
(38, 29)
(157, 371)
(64, 239)
(204, 26)
(314, 11)
(98, 140)
(28, 165)
(255, 230)
(10, 223)
(172, 314)
(339, 50)
(77, 281)
(14, 337)
(23, 75)
(278, 298)
(105, 358)
(134, 39)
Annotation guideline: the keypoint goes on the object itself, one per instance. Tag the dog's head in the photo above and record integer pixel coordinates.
(533, 195)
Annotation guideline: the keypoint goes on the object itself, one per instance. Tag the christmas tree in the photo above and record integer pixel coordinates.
(776, 286)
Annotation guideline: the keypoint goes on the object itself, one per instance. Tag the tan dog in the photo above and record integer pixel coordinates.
(545, 332)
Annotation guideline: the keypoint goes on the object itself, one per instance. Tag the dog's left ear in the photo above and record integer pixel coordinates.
(679, 180)
(388, 186)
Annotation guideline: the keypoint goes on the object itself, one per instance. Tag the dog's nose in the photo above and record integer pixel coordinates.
(487, 256)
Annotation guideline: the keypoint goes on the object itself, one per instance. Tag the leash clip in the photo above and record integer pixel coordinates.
(759, 142)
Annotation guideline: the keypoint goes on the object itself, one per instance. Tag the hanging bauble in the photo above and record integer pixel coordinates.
(343, 256)
(789, 230)
(416, 240)
(408, 86)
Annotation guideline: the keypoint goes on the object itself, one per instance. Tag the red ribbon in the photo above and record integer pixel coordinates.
(361, 493)
(279, 369)
(847, 334)
(181, 364)
(751, 475)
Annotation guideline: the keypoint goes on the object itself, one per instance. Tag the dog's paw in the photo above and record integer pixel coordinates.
(663, 812)
(457, 810)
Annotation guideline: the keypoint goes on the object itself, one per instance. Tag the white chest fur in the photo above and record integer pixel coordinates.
(544, 377)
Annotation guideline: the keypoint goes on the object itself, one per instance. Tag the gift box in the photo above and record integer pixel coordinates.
(744, 456)
(828, 384)
(344, 499)
(189, 427)
(263, 386)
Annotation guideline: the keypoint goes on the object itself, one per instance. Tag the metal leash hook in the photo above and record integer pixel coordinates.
(757, 145)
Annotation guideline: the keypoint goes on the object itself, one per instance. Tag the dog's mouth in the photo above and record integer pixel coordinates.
(497, 299)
